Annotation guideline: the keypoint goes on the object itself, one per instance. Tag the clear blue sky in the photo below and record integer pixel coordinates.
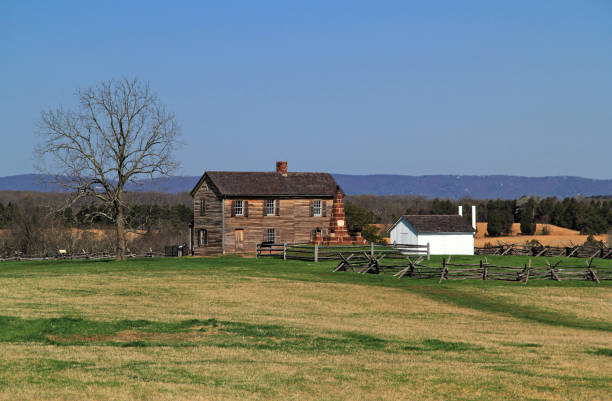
(427, 87)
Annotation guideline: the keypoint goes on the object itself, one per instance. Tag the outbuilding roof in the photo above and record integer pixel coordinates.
(438, 223)
(235, 183)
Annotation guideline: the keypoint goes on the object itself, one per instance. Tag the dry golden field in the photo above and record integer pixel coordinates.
(244, 329)
(558, 236)
(97, 233)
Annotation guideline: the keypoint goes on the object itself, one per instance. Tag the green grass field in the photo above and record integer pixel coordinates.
(234, 328)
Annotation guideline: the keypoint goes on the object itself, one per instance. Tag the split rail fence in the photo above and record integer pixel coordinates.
(316, 253)
(483, 270)
(577, 251)
(80, 256)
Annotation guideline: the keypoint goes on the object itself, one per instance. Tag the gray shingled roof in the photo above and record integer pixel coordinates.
(273, 184)
(439, 223)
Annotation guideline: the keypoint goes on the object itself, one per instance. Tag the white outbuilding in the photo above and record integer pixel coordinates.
(446, 234)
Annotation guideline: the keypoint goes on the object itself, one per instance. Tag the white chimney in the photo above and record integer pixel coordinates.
(474, 217)
(460, 210)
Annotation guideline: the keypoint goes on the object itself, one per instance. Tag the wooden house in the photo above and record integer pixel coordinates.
(233, 211)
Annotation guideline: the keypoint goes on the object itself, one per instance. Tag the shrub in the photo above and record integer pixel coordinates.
(371, 233)
(592, 242)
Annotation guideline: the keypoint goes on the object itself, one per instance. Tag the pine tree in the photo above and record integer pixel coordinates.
(528, 224)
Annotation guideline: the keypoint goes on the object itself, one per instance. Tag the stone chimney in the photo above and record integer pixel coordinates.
(474, 226)
(281, 168)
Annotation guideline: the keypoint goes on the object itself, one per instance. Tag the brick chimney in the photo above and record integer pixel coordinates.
(281, 168)
(337, 224)
(338, 233)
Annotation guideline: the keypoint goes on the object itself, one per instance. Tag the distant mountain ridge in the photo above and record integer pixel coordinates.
(429, 186)
(474, 186)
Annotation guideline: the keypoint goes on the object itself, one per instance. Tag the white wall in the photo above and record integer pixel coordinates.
(448, 243)
(403, 233)
(440, 243)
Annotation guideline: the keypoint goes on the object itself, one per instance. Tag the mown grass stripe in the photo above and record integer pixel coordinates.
(498, 306)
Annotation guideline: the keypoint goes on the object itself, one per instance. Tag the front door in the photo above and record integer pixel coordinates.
(239, 239)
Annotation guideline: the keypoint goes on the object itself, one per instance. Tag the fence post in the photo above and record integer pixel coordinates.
(316, 253)
(443, 274)
(371, 249)
(256, 250)
(285, 251)
(527, 269)
(428, 251)
(484, 270)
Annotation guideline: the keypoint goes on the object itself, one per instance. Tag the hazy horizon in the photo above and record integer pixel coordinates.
(367, 174)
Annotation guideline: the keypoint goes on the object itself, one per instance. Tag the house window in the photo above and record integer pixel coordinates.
(270, 209)
(239, 208)
(202, 237)
(202, 207)
(317, 210)
(270, 235)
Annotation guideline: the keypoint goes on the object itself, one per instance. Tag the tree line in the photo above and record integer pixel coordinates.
(31, 223)
(587, 215)
(31, 227)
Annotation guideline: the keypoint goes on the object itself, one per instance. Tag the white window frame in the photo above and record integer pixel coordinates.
(270, 207)
(317, 205)
(239, 208)
(270, 235)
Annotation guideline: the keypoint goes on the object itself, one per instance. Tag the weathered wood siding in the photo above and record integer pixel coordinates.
(294, 224)
(212, 221)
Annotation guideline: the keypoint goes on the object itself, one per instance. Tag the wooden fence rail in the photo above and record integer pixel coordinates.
(577, 251)
(83, 256)
(315, 253)
(481, 271)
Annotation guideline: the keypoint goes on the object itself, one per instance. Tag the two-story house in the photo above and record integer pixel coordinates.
(235, 210)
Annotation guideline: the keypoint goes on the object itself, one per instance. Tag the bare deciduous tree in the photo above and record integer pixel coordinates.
(119, 133)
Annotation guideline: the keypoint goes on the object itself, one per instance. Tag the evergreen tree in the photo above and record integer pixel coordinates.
(499, 217)
(443, 206)
(357, 217)
(528, 224)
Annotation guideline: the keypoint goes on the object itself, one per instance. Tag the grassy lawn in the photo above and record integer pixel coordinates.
(234, 328)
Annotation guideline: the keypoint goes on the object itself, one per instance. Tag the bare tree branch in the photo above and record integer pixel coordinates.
(119, 133)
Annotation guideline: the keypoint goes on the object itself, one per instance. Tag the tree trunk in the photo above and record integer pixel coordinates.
(120, 226)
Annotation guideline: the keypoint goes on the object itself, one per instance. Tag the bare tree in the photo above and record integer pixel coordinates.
(119, 133)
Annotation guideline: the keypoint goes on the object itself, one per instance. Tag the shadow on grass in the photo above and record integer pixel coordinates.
(602, 351)
(432, 344)
(522, 345)
(144, 333)
(525, 312)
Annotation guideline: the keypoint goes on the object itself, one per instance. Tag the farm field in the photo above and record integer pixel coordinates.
(558, 236)
(96, 233)
(246, 329)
